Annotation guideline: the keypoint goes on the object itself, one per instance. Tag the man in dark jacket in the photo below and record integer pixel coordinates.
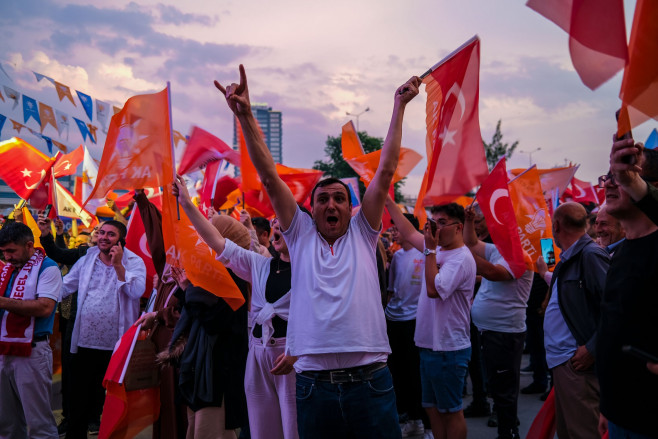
(571, 321)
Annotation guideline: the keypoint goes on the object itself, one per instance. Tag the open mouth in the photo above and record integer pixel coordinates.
(332, 220)
(276, 236)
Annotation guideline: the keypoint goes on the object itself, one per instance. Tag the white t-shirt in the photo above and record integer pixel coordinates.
(406, 275)
(500, 306)
(443, 323)
(335, 304)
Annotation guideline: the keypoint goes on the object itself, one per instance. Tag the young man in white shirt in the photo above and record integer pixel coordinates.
(443, 315)
(336, 325)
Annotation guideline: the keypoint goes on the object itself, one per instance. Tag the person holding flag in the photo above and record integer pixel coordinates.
(336, 325)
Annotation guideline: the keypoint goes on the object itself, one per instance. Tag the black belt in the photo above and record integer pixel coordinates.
(38, 338)
(349, 375)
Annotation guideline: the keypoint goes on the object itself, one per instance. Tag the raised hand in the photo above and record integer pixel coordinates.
(43, 223)
(59, 226)
(237, 95)
(626, 160)
(407, 91)
(245, 219)
(179, 190)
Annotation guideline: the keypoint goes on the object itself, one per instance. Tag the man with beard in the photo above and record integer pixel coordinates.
(109, 280)
(336, 325)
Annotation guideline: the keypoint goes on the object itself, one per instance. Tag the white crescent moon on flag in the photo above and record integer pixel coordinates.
(34, 186)
(298, 188)
(498, 193)
(581, 192)
(457, 91)
(143, 247)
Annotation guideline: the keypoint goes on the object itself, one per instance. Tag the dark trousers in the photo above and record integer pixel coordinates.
(476, 369)
(87, 393)
(535, 346)
(404, 363)
(502, 353)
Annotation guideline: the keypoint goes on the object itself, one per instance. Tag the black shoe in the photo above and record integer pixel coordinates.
(533, 388)
(493, 419)
(477, 410)
(62, 427)
(527, 369)
(93, 428)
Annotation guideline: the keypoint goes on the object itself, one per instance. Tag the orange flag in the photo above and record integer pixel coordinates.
(187, 250)
(639, 88)
(29, 221)
(63, 91)
(138, 150)
(531, 212)
(248, 172)
(365, 165)
(47, 116)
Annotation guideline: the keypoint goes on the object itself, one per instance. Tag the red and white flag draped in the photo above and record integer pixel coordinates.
(455, 152)
(137, 243)
(203, 148)
(496, 204)
(597, 35)
(583, 192)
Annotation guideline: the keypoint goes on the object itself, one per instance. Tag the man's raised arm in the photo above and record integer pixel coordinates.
(237, 98)
(373, 199)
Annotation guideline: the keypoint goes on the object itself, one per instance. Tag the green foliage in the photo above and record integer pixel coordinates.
(497, 149)
(336, 166)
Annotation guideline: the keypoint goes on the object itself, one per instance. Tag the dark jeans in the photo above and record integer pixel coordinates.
(358, 410)
(502, 353)
(87, 393)
(535, 346)
(476, 369)
(404, 363)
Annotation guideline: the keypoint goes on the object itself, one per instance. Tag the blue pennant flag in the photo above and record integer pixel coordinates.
(3, 118)
(84, 131)
(39, 77)
(49, 142)
(30, 109)
(87, 103)
(652, 140)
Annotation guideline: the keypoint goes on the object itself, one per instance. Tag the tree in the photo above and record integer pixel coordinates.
(497, 149)
(336, 166)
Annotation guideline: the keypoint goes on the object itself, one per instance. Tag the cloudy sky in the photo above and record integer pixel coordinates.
(315, 61)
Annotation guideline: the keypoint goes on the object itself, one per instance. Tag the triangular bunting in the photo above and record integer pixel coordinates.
(30, 110)
(39, 77)
(13, 95)
(3, 118)
(87, 103)
(62, 122)
(47, 116)
(64, 91)
(84, 131)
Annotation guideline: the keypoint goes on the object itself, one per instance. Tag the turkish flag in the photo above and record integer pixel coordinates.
(67, 164)
(543, 426)
(202, 148)
(153, 194)
(137, 151)
(215, 187)
(185, 249)
(496, 204)
(24, 168)
(597, 35)
(300, 181)
(137, 243)
(456, 159)
(583, 192)
(639, 88)
(250, 180)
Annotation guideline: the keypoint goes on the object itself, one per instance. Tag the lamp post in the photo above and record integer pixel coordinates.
(530, 154)
(357, 115)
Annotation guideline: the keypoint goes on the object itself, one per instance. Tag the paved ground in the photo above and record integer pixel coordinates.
(529, 405)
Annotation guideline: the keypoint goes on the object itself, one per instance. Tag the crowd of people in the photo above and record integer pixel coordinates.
(313, 353)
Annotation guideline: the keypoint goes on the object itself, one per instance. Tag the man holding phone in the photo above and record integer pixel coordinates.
(110, 280)
(571, 320)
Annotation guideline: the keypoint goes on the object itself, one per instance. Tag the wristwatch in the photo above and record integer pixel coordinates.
(428, 252)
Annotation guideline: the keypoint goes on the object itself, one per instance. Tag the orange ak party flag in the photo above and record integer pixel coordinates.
(138, 150)
(639, 88)
(455, 153)
(531, 212)
(185, 249)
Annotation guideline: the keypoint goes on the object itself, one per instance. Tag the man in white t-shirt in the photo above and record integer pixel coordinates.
(336, 325)
(443, 315)
(499, 312)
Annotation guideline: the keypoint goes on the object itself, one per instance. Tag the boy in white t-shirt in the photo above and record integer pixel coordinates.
(336, 326)
(442, 317)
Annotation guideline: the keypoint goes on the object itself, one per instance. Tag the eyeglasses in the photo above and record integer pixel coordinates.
(441, 225)
(607, 178)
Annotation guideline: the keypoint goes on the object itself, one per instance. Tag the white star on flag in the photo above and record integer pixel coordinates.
(26, 173)
(448, 136)
(199, 240)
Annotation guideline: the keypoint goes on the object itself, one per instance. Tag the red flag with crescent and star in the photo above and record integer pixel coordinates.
(496, 204)
(456, 158)
(583, 192)
(137, 243)
(24, 168)
(67, 164)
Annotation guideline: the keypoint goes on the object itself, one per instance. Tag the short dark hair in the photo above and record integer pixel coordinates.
(327, 182)
(123, 231)
(453, 210)
(650, 165)
(261, 224)
(412, 219)
(15, 233)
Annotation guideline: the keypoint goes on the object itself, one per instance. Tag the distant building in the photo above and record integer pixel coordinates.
(270, 122)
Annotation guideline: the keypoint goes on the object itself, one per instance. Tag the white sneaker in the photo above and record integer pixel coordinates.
(428, 434)
(413, 428)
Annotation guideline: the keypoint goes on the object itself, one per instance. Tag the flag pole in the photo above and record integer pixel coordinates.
(171, 141)
(447, 58)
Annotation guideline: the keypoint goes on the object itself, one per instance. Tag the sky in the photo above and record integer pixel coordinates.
(315, 61)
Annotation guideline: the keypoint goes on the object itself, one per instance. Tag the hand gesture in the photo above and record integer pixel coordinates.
(542, 268)
(626, 160)
(147, 320)
(116, 253)
(59, 226)
(245, 219)
(179, 190)
(469, 214)
(407, 91)
(431, 241)
(237, 95)
(43, 223)
(211, 213)
(180, 277)
(283, 364)
(18, 215)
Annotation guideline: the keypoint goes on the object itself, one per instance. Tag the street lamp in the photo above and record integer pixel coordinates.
(357, 116)
(530, 153)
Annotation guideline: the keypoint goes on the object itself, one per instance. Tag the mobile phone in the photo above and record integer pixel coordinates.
(47, 210)
(433, 226)
(122, 242)
(548, 251)
(639, 353)
(629, 159)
